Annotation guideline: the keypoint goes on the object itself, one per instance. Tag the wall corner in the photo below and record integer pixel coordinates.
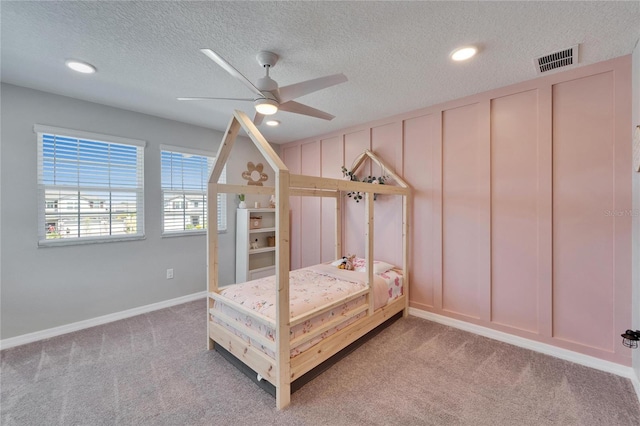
(635, 297)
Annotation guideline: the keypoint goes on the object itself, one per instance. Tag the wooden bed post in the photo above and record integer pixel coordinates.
(283, 319)
(212, 208)
(368, 208)
(212, 237)
(212, 250)
(407, 205)
(338, 244)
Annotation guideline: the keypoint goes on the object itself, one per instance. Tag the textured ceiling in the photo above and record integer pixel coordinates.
(395, 54)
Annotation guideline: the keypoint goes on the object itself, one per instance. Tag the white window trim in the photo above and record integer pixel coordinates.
(183, 150)
(39, 130)
(80, 134)
(200, 232)
(88, 240)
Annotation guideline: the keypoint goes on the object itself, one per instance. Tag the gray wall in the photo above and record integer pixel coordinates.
(635, 120)
(43, 288)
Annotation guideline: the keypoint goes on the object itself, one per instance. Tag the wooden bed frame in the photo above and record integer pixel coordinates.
(282, 370)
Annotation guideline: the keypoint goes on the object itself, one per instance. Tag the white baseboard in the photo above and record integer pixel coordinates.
(578, 358)
(80, 325)
(636, 384)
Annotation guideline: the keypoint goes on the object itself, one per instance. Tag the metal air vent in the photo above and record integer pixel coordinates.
(559, 59)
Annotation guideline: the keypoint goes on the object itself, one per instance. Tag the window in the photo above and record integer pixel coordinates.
(185, 174)
(90, 187)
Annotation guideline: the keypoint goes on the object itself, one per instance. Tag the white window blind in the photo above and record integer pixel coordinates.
(185, 174)
(90, 187)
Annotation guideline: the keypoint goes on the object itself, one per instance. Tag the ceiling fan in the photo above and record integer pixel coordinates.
(268, 97)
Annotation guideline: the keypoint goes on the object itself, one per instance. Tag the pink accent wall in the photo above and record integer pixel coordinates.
(583, 235)
(515, 162)
(635, 71)
(291, 157)
(354, 144)
(422, 139)
(461, 210)
(310, 206)
(332, 157)
(386, 141)
(514, 223)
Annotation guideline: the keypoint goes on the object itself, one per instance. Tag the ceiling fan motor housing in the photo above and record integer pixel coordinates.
(266, 84)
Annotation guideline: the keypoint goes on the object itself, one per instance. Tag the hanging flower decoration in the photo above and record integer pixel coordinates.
(369, 179)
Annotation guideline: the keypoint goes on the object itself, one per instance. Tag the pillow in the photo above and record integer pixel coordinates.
(360, 265)
(337, 262)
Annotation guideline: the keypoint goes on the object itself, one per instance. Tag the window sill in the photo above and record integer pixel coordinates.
(188, 233)
(64, 242)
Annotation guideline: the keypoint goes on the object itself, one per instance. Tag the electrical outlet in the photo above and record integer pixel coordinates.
(170, 274)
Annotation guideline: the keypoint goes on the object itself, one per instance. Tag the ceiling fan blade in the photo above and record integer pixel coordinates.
(231, 70)
(299, 108)
(213, 99)
(296, 90)
(257, 120)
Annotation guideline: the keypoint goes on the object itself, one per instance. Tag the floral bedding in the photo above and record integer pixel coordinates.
(309, 288)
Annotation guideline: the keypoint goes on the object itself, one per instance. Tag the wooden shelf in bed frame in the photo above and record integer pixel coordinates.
(282, 370)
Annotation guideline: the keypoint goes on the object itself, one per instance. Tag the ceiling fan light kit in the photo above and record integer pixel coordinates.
(268, 97)
(266, 106)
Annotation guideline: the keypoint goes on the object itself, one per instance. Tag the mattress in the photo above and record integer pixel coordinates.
(309, 288)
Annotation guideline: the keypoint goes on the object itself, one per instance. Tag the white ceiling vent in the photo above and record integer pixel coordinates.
(560, 59)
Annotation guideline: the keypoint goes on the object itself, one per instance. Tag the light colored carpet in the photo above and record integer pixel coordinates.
(153, 369)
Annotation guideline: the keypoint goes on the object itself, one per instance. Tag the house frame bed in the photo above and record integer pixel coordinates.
(282, 370)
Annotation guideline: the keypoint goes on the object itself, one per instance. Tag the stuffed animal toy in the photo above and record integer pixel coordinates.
(349, 263)
(346, 262)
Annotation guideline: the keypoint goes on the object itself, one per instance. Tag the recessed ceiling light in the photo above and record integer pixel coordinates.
(80, 66)
(272, 123)
(463, 53)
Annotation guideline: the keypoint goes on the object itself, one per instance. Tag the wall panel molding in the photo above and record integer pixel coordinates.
(515, 165)
(493, 215)
(463, 202)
